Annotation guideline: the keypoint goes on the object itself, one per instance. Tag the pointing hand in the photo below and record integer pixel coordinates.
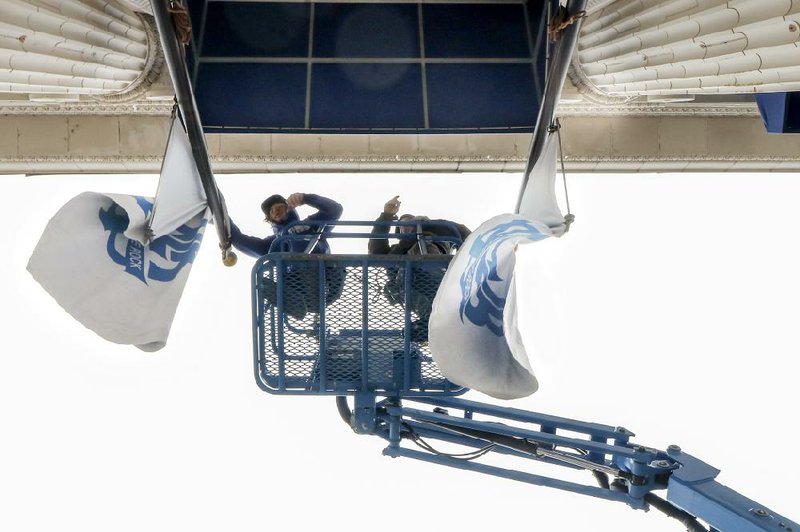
(392, 206)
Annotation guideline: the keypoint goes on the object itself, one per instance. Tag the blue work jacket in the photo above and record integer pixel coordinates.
(327, 210)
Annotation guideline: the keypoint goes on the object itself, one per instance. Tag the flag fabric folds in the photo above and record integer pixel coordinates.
(180, 195)
(539, 195)
(473, 332)
(101, 262)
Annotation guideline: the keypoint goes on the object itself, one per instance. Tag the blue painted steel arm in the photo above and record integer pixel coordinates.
(637, 471)
(692, 487)
(625, 471)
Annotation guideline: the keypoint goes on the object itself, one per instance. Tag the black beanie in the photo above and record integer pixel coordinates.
(269, 202)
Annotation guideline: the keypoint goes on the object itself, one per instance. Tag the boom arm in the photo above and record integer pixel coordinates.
(627, 472)
(349, 338)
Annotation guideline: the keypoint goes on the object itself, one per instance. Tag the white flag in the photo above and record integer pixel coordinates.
(122, 289)
(473, 331)
(180, 194)
(539, 196)
(118, 263)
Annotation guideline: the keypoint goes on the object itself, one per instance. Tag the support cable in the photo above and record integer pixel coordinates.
(600, 471)
(569, 218)
(557, 75)
(421, 442)
(667, 508)
(344, 409)
(534, 449)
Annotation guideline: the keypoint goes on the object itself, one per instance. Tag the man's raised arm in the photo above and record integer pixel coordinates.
(327, 209)
(250, 245)
(380, 246)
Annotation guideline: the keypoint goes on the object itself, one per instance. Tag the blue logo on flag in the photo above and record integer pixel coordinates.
(162, 259)
(481, 271)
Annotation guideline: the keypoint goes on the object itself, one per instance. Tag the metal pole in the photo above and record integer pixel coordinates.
(559, 66)
(175, 58)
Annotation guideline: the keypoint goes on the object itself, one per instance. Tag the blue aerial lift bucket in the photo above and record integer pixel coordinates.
(347, 324)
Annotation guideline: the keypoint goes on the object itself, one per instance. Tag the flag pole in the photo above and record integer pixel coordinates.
(175, 57)
(556, 76)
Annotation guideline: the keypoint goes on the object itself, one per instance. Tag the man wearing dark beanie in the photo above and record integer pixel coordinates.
(301, 289)
(280, 212)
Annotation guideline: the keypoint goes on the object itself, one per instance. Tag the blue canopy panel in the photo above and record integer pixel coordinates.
(780, 111)
(368, 67)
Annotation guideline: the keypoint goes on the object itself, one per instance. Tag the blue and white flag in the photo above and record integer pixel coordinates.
(473, 332)
(107, 264)
(121, 288)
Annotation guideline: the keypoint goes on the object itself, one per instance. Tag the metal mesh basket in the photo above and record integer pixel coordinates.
(341, 324)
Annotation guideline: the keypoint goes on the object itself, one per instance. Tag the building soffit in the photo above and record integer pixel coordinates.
(145, 116)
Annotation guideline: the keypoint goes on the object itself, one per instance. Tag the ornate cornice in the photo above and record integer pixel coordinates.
(398, 160)
(152, 69)
(597, 103)
(149, 108)
(144, 108)
(392, 160)
(514, 159)
(141, 6)
(589, 91)
(131, 101)
(658, 109)
(685, 159)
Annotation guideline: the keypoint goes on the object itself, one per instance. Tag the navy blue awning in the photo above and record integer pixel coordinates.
(780, 111)
(368, 67)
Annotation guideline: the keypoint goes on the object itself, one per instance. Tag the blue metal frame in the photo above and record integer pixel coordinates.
(539, 440)
(409, 371)
(325, 228)
(271, 322)
(638, 470)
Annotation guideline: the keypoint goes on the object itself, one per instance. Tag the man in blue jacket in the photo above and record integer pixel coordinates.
(301, 291)
(280, 212)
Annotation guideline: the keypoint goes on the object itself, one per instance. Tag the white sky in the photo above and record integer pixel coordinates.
(672, 310)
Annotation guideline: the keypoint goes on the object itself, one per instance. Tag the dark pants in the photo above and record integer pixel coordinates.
(301, 289)
(424, 285)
